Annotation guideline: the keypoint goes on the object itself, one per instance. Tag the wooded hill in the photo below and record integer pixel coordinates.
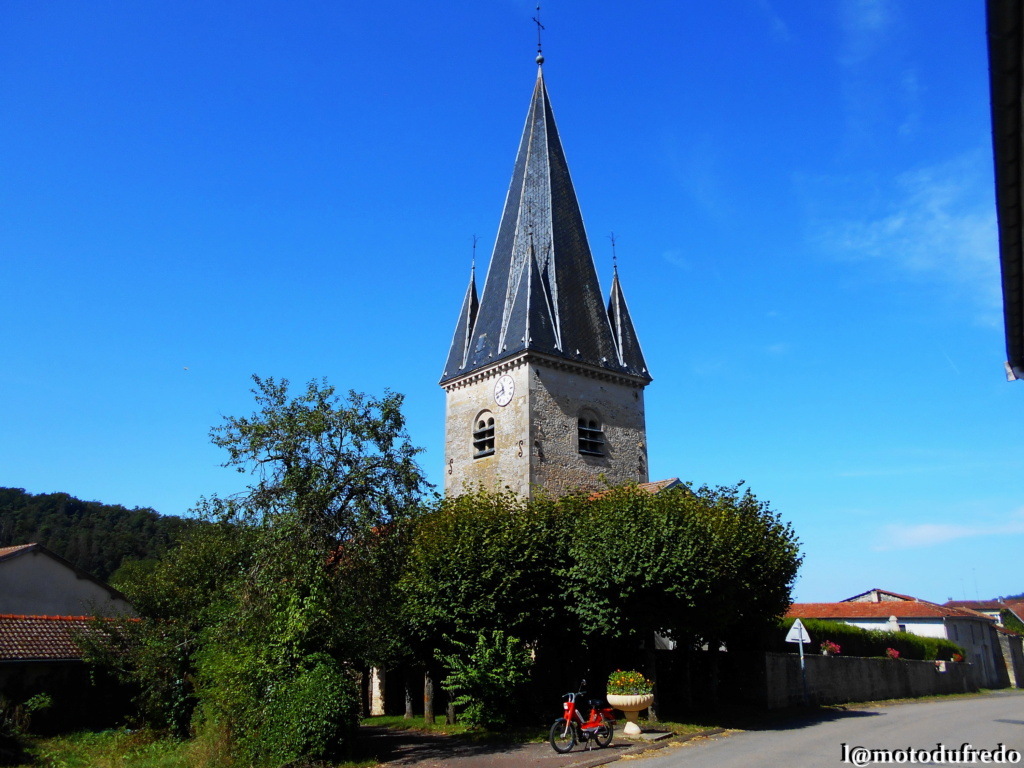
(96, 537)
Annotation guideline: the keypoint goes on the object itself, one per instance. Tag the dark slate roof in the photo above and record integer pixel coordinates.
(623, 331)
(464, 328)
(1006, 75)
(541, 292)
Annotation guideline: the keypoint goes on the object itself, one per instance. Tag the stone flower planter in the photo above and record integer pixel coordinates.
(630, 706)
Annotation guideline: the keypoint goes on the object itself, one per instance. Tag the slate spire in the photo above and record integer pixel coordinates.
(541, 292)
(464, 328)
(623, 332)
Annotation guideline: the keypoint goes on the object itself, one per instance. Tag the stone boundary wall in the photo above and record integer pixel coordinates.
(840, 679)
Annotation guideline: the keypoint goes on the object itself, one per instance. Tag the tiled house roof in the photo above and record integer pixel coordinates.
(43, 638)
(660, 485)
(657, 486)
(977, 605)
(878, 596)
(39, 638)
(901, 609)
(6, 551)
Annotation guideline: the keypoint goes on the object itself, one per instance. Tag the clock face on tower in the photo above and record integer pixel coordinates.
(504, 389)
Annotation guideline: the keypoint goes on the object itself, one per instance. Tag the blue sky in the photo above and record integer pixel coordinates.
(801, 193)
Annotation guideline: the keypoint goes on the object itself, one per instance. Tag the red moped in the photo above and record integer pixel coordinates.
(571, 728)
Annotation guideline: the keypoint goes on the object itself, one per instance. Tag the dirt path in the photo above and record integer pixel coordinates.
(423, 750)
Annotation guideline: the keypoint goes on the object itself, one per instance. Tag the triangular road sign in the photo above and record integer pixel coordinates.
(798, 633)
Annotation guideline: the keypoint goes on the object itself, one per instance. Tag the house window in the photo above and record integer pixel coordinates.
(591, 436)
(483, 435)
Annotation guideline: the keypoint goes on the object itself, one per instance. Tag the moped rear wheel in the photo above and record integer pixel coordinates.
(562, 736)
(603, 736)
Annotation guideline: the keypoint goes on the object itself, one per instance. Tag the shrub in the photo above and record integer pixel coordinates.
(868, 642)
(485, 677)
(314, 714)
(272, 717)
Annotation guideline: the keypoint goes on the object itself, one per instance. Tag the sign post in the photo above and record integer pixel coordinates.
(798, 634)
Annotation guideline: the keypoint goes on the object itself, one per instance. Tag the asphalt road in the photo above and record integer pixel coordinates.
(983, 722)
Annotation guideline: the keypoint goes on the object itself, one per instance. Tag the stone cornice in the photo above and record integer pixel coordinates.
(548, 361)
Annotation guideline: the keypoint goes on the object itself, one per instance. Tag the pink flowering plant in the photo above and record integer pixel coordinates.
(629, 683)
(892, 653)
(830, 648)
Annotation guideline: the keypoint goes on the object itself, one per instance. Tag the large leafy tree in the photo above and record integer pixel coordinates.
(343, 467)
(482, 562)
(267, 629)
(692, 565)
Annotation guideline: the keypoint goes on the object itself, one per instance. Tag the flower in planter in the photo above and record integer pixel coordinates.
(957, 657)
(892, 653)
(629, 683)
(828, 648)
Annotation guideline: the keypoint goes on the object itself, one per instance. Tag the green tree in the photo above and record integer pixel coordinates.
(179, 596)
(266, 631)
(1011, 622)
(701, 567)
(692, 565)
(481, 562)
(485, 677)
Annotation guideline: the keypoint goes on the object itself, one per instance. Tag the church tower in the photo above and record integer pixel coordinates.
(544, 382)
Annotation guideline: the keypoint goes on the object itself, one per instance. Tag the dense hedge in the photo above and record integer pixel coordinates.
(854, 641)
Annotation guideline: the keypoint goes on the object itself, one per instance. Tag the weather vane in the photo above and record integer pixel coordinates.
(536, 19)
(615, 264)
(474, 253)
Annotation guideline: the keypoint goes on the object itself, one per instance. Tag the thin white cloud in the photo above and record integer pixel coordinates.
(778, 28)
(899, 536)
(864, 24)
(936, 223)
(675, 257)
(910, 88)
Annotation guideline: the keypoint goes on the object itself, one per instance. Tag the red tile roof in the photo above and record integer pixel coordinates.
(41, 638)
(1017, 606)
(5, 551)
(653, 487)
(977, 605)
(909, 609)
(895, 595)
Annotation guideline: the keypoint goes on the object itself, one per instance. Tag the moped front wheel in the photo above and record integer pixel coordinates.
(562, 736)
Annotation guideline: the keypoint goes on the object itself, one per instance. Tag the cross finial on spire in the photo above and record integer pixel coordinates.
(615, 264)
(473, 264)
(536, 19)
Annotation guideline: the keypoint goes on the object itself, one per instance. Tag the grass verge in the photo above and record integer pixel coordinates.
(107, 749)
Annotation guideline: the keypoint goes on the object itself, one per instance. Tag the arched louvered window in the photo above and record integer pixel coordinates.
(483, 435)
(591, 435)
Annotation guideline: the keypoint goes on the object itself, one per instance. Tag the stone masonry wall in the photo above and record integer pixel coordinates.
(510, 465)
(536, 438)
(840, 679)
(557, 398)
